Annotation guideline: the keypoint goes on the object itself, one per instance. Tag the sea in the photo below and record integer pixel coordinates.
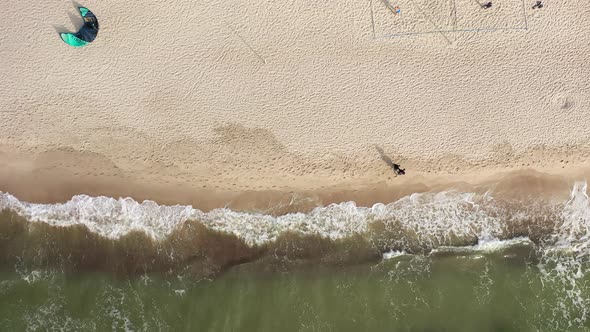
(436, 261)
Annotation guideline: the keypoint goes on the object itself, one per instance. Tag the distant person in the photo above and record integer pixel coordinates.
(538, 5)
(398, 170)
(487, 5)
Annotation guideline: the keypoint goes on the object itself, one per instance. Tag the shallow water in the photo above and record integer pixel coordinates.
(447, 261)
(502, 291)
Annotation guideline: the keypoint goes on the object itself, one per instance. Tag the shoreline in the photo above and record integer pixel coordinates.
(210, 124)
(39, 180)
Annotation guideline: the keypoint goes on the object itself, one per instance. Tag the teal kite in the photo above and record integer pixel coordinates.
(86, 34)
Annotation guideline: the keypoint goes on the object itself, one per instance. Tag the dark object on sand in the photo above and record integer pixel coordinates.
(86, 34)
(538, 5)
(487, 5)
(398, 170)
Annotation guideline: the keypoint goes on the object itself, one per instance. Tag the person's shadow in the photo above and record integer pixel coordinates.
(76, 19)
(396, 168)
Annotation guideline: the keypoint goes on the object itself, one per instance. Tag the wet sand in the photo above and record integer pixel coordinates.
(48, 178)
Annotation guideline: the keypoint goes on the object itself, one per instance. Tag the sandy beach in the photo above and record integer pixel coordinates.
(247, 104)
(231, 166)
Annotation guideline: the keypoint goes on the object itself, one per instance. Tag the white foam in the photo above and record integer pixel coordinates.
(394, 253)
(565, 259)
(434, 218)
(108, 217)
(487, 246)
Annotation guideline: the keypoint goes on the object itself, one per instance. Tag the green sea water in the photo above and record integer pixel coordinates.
(445, 261)
(503, 291)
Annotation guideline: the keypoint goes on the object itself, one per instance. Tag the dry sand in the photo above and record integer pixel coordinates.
(249, 103)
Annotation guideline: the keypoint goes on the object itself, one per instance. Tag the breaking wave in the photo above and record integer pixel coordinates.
(127, 237)
(89, 231)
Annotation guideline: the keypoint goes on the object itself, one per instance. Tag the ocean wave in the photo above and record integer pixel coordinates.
(431, 216)
(128, 237)
(487, 246)
(88, 230)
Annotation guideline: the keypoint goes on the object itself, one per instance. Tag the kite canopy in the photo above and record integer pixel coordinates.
(86, 34)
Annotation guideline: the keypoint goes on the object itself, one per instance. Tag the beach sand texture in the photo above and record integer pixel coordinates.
(269, 95)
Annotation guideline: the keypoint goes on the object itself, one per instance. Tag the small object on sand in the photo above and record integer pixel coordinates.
(398, 170)
(487, 5)
(538, 5)
(86, 34)
(396, 10)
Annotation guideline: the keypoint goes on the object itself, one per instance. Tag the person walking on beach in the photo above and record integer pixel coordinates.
(487, 5)
(398, 170)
